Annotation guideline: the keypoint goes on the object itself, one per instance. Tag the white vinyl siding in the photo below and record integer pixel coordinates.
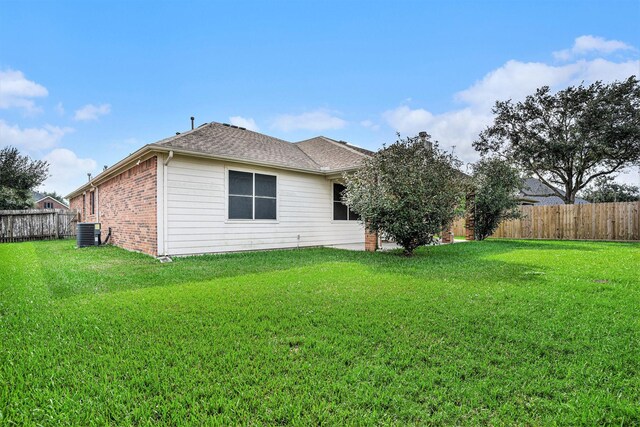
(197, 211)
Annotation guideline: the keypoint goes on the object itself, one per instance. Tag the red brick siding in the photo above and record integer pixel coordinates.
(370, 241)
(447, 234)
(470, 220)
(128, 204)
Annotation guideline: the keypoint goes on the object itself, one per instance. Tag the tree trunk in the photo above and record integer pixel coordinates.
(569, 194)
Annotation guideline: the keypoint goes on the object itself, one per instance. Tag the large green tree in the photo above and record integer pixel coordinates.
(408, 190)
(19, 175)
(496, 184)
(605, 190)
(569, 138)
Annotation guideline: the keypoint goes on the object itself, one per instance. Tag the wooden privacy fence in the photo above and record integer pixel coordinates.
(594, 221)
(37, 224)
(459, 229)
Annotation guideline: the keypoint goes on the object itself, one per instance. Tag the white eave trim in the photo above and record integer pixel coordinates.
(144, 153)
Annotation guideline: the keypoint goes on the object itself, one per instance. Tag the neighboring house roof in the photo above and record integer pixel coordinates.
(49, 197)
(536, 191)
(320, 155)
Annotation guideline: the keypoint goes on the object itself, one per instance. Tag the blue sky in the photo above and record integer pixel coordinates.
(83, 84)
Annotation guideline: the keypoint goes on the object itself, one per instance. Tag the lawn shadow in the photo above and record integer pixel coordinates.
(71, 272)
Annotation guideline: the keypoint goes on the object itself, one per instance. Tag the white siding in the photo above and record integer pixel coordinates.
(196, 211)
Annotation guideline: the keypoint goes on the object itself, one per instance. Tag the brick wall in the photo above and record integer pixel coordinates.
(470, 220)
(447, 235)
(126, 203)
(76, 204)
(370, 241)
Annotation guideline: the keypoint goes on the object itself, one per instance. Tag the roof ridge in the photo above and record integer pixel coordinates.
(52, 198)
(307, 156)
(345, 145)
(277, 139)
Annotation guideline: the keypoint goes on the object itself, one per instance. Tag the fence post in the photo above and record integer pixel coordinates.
(56, 218)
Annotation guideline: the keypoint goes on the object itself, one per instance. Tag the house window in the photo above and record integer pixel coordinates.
(342, 212)
(92, 202)
(48, 205)
(252, 195)
(84, 206)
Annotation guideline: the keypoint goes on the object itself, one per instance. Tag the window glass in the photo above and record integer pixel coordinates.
(341, 212)
(338, 189)
(240, 183)
(353, 216)
(265, 185)
(265, 208)
(240, 207)
(252, 196)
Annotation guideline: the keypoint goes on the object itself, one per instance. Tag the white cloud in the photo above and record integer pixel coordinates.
(17, 91)
(407, 121)
(66, 170)
(513, 80)
(370, 125)
(585, 45)
(630, 176)
(458, 128)
(31, 139)
(318, 120)
(59, 108)
(92, 112)
(244, 122)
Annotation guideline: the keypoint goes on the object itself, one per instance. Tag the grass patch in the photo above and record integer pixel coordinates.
(494, 332)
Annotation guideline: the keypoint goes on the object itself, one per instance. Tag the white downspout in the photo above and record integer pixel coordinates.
(164, 201)
(96, 201)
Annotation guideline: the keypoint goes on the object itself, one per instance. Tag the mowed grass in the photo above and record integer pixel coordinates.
(494, 332)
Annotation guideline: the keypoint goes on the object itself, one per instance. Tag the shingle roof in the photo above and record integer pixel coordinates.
(227, 141)
(534, 189)
(331, 154)
(318, 154)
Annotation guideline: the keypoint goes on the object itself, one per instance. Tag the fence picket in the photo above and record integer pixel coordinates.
(36, 224)
(596, 221)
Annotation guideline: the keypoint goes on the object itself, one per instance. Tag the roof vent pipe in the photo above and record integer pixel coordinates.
(192, 119)
(89, 176)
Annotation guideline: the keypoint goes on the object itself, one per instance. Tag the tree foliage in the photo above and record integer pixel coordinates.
(496, 184)
(605, 190)
(569, 138)
(19, 175)
(408, 190)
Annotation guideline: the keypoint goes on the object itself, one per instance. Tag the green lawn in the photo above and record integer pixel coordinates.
(495, 332)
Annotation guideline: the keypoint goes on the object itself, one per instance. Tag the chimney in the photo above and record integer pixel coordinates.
(424, 137)
(192, 119)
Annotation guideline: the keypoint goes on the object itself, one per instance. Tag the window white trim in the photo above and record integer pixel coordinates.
(253, 196)
(333, 202)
